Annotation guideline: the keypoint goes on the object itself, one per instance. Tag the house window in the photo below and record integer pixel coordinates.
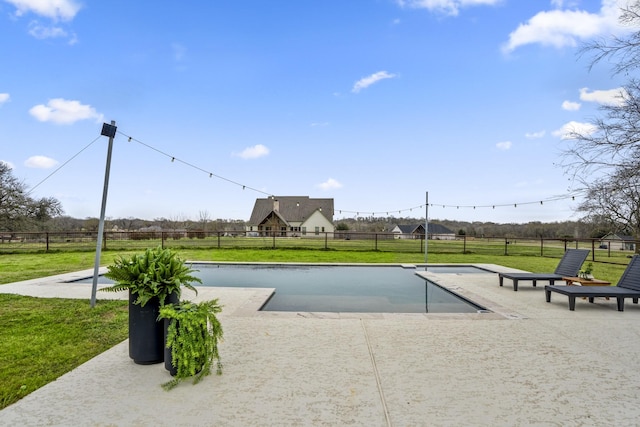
(304, 231)
(317, 230)
(323, 229)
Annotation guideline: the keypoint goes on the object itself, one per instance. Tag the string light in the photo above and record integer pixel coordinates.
(341, 211)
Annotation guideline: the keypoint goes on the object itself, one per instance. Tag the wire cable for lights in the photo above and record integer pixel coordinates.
(62, 165)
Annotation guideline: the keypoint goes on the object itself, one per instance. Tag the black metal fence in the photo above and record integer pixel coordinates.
(601, 250)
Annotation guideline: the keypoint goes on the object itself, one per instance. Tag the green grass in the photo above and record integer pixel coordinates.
(41, 339)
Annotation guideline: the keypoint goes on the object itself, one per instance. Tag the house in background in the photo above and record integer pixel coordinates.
(416, 231)
(618, 241)
(291, 216)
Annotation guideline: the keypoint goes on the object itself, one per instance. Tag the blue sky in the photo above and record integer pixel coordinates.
(371, 102)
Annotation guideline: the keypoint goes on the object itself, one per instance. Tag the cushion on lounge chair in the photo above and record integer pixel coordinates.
(627, 287)
(568, 266)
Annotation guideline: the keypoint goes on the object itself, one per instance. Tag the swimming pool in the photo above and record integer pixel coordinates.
(355, 289)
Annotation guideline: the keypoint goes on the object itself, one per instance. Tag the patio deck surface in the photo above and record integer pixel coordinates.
(528, 362)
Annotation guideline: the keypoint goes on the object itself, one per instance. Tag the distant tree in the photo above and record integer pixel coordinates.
(19, 211)
(342, 226)
(91, 224)
(204, 219)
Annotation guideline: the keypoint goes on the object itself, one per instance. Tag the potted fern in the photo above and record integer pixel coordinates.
(192, 334)
(153, 279)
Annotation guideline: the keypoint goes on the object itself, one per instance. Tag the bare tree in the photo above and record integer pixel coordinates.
(18, 211)
(605, 158)
(615, 201)
(204, 219)
(624, 52)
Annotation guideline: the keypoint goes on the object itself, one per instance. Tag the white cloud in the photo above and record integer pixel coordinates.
(505, 145)
(535, 135)
(8, 164)
(46, 32)
(319, 124)
(330, 184)
(63, 111)
(571, 106)
(40, 162)
(64, 10)
(365, 82)
(4, 97)
(254, 152)
(574, 127)
(559, 28)
(448, 7)
(608, 97)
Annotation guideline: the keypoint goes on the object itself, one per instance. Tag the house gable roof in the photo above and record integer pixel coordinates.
(616, 236)
(433, 229)
(291, 208)
(411, 228)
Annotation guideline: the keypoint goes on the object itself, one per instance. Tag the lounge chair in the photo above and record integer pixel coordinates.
(628, 287)
(569, 266)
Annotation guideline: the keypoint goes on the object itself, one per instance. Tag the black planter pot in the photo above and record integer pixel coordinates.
(145, 332)
(168, 358)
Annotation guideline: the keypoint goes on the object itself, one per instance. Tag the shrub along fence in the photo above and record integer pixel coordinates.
(604, 251)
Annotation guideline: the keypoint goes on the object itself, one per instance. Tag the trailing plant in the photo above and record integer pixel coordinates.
(193, 335)
(155, 273)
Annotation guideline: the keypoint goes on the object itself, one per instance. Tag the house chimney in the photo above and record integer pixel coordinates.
(276, 205)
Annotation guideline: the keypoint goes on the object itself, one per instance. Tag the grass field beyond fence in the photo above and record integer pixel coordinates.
(613, 251)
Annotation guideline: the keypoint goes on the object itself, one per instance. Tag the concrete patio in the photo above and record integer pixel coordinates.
(528, 362)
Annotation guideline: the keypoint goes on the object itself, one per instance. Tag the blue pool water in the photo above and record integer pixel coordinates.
(358, 289)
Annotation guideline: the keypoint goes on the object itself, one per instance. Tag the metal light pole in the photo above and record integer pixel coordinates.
(426, 229)
(110, 131)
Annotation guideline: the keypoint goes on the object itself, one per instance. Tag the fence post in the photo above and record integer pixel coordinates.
(274, 239)
(218, 240)
(162, 239)
(104, 240)
(326, 240)
(376, 239)
(464, 244)
(47, 240)
(542, 246)
(506, 243)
